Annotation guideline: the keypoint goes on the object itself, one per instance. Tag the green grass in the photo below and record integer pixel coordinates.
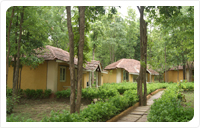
(189, 96)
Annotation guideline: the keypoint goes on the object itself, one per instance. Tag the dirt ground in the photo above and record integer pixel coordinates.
(38, 109)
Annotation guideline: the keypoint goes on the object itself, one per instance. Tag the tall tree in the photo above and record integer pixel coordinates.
(80, 57)
(8, 39)
(72, 67)
(141, 80)
(18, 56)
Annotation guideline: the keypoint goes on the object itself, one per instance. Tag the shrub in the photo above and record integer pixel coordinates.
(104, 93)
(29, 93)
(101, 111)
(9, 92)
(47, 93)
(168, 108)
(90, 93)
(38, 94)
(9, 105)
(58, 117)
(63, 93)
(13, 118)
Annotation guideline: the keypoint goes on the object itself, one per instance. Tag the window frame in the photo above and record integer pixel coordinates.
(125, 75)
(61, 73)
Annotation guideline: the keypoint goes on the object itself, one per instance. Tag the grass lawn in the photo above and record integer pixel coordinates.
(38, 109)
(189, 96)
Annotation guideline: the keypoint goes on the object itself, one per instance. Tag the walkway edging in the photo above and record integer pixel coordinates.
(125, 112)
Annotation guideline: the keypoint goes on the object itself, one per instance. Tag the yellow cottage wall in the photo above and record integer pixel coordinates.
(31, 78)
(85, 79)
(172, 75)
(63, 85)
(110, 77)
(130, 78)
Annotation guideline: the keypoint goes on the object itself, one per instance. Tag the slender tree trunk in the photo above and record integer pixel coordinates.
(80, 60)
(93, 54)
(8, 39)
(15, 56)
(165, 66)
(92, 73)
(178, 74)
(72, 67)
(19, 81)
(143, 66)
(184, 72)
(145, 56)
(190, 72)
(18, 56)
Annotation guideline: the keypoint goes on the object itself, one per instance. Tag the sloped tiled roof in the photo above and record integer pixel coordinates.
(130, 65)
(181, 67)
(53, 53)
(92, 65)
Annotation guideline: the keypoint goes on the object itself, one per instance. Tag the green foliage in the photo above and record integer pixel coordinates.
(63, 93)
(9, 105)
(58, 117)
(13, 118)
(99, 112)
(9, 92)
(38, 94)
(168, 108)
(104, 93)
(47, 93)
(187, 86)
(90, 93)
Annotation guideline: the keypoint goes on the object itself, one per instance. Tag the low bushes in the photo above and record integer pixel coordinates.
(13, 118)
(9, 105)
(168, 108)
(38, 93)
(98, 112)
(90, 93)
(187, 86)
(30, 93)
(63, 94)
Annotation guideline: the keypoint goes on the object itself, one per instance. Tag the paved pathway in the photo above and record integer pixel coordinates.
(139, 114)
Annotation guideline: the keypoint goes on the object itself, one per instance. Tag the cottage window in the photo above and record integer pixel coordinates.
(125, 75)
(62, 74)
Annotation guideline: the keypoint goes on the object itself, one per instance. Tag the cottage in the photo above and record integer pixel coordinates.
(126, 70)
(175, 73)
(96, 68)
(52, 74)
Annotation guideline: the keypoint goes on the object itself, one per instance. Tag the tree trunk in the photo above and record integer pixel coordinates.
(19, 81)
(143, 45)
(145, 57)
(92, 78)
(18, 56)
(190, 72)
(165, 66)
(80, 60)
(8, 39)
(92, 73)
(72, 67)
(184, 71)
(178, 74)
(93, 54)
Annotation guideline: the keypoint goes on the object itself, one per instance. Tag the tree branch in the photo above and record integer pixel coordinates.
(139, 9)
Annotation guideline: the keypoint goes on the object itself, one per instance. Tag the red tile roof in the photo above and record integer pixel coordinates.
(92, 65)
(53, 53)
(130, 65)
(181, 67)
